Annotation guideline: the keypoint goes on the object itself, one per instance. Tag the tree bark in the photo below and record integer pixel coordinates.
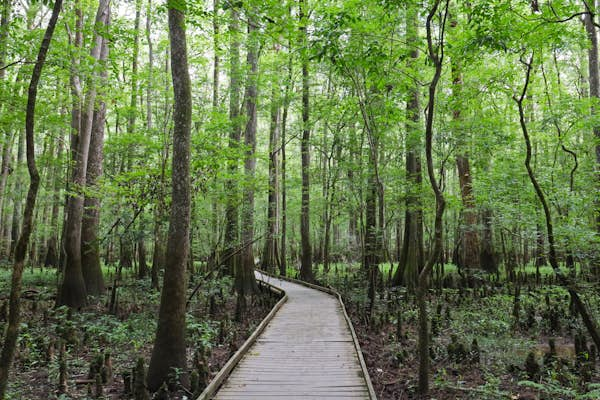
(470, 247)
(127, 240)
(284, 118)
(72, 292)
(245, 282)
(270, 259)
(158, 251)
(11, 333)
(594, 80)
(141, 250)
(487, 255)
(306, 272)
(411, 257)
(169, 345)
(7, 137)
(436, 55)
(52, 245)
(90, 246)
(15, 229)
(231, 235)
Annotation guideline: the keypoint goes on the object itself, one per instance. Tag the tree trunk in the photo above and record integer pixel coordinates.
(594, 80)
(15, 229)
(141, 249)
(470, 239)
(306, 272)
(469, 249)
(215, 241)
(90, 245)
(487, 256)
(127, 239)
(158, 251)
(284, 118)
(411, 257)
(245, 283)
(436, 55)
(169, 350)
(231, 235)
(580, 306)
(72, 291)
(7, 136)
(11, 332)
(540, 248)
(52, 246)
(270, 260)
(371, 250)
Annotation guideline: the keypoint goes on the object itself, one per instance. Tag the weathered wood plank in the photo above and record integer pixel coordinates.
(306, 352)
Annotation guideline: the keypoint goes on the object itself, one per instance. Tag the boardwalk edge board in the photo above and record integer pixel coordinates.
(333, 292)
(223, 374)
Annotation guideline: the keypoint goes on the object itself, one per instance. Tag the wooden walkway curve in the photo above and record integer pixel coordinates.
(307, 351)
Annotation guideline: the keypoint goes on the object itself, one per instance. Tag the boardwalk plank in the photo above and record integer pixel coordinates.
(306, 352)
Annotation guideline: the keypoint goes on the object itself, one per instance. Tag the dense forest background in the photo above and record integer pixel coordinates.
(416, 144)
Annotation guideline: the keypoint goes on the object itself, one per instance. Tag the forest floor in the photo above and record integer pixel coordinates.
(496, 367)
(127, 334)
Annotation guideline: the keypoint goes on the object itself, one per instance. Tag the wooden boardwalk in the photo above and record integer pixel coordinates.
(306, 352)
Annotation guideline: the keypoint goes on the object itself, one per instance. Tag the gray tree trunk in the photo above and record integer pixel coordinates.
(169, 350)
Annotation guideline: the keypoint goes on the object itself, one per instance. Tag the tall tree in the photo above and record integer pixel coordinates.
(52, 244)
(11, 333)
(126, 239)
(17, 200)
(90, 246)
(6, 133)
(270, 259)
(306, 272)
(158, 252)
(169, 350)
(469, 241)
(245, 283)
(72, 291)
(436, 56)
(284, 118)
(231, 236)
(412, 254)
(594, 81)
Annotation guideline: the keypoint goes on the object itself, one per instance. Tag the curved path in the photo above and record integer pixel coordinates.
(306, 352)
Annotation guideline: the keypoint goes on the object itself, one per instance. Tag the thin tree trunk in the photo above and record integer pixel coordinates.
(594, 80)
(215, 108)
(7, 137)
(306, 272)
(141, 250)
(158, 252)
(487, 255)
(169, 350)
(52, 246)
(580, 306)
(127, 238)
(216, 58)
(284, 118)
(11, 333)
(436, 55)
(17, 199)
